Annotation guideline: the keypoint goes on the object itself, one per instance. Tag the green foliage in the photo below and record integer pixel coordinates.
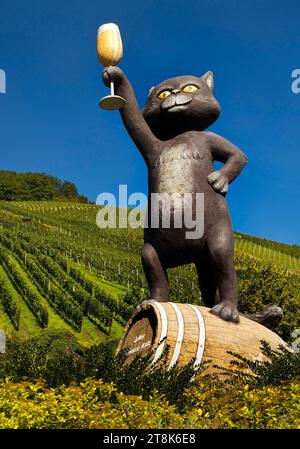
(94, 404)
(36, 187)
(58, 358)
(9, 305)
(137, 396)
(279, 366)
(55, 356)
(291, 250)
(94, 276)
(66, 295)
(261, 285)
(215, 404)
(54, 251)
(20, 284)
(141, 376)
(91, 404)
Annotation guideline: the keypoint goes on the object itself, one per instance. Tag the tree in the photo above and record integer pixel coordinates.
(36, 187)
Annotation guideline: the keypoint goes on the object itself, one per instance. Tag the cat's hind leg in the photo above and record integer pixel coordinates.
(207, 281)
(155, 273)
(221, 252)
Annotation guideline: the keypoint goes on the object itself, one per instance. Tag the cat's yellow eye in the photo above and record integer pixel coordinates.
(164, 94)
(190, 89)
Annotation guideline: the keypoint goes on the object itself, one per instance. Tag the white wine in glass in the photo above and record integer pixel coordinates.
(110, 52)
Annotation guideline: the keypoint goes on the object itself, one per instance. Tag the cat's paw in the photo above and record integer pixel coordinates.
(227, 311)
(114, 74)
(218, 181)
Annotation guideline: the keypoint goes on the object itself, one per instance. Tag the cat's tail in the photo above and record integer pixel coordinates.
(269, 317)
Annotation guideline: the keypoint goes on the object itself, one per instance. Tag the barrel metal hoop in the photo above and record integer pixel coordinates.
(201, 341)
(164, 329)
(180, 334)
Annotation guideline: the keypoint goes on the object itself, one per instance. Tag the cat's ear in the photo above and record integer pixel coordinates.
(151, 90)
(209, 79)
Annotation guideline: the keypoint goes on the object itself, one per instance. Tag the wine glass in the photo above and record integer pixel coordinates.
(110, 52)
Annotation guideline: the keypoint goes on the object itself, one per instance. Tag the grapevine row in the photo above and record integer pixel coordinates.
(70, 300)
(9, 305)
(30, 297)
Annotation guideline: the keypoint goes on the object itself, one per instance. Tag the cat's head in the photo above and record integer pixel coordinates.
(181, 104)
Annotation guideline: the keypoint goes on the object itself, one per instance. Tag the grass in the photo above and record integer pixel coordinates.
(269, 255)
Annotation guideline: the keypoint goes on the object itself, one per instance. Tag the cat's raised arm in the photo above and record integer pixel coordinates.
(233, 158)
(133, 120)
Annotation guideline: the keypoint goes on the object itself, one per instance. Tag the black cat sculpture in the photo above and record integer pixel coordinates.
(170, 135)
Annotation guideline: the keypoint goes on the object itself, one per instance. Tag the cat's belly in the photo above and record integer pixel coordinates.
(177, 170)
(182, 170)
(176, 177)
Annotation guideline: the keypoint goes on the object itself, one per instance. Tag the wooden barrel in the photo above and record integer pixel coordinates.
(192, 332)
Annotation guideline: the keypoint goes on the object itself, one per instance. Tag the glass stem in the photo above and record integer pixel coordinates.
(112, 88)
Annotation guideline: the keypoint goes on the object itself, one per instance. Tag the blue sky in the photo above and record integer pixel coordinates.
(51, 122)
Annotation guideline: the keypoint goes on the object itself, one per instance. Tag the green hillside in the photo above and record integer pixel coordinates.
(59, 270)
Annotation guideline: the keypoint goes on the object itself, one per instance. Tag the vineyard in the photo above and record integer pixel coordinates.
(59, 270)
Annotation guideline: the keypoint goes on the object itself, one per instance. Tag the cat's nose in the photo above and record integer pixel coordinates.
(175, 91)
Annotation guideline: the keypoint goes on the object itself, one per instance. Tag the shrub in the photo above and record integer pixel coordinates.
(278, 367)
(54, 355)
(219, 405)
(261, 285)
(91, 388)
(58, 358)
(93, 404)
(88, 405)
